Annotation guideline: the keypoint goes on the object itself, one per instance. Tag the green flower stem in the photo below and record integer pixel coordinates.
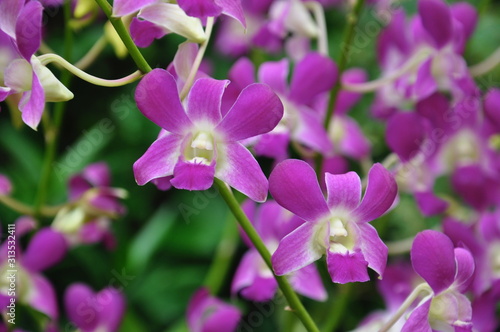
(293, 300)
(120, 28)
(48, 58)
(52, 132)
(223, 256)
(352, 21)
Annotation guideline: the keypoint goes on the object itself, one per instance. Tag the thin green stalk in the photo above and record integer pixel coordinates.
(352, 21)
(223, 256)
(293, 300)
(52, 131)
(120, 28)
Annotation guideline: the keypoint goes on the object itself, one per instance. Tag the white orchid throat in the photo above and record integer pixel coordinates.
(201, 149)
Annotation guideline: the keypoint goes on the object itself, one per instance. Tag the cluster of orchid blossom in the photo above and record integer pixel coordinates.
(439, 124)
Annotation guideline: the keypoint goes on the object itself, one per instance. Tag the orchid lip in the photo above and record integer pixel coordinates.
(201, 149)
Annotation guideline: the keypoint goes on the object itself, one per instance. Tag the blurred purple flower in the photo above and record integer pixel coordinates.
(253, 279)
(91, 312)
(46, 248)
(92, 203)
(207, 313)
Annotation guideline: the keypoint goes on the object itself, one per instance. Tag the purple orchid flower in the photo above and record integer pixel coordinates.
(311, 78)
(398, 282)
(20, 30)
(92, 312)
(93, 203)
(207, 313)
(5, 185)
(337, 226)
(201, 9)
(204, 143)
(156, 18)
(253, 279)
(482, 239)
(431, 52)
(448, 271)
(46, 248)
(441, 139)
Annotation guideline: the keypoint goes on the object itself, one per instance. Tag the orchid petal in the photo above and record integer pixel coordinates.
(354, 144)
(157, 98)
(184, 59)
(465, 269)
(112, 308)
(239, 169)
(430, 204)
(372, 247)
(307, 282)
(492, 106)
(419, 319)
(256, 111)
(246, 272)
(466, 14)
(347, 267)
(144, 32)
(204, 101)
(159, 160)
(433, 258)
(310, 131)
(29, 29)
(275, 75)
(312, 76)
(347, 99)
(300, 248)
(79, 298)
(224, 319)
(42, 296)
(46, 248)
(404, 134)
(294, 186)
(436, 20)
(200, 8)
(5, 185)
(126, 7)
(9, 11)
(172, 18)
(193, 176)
(344, 190)
(425, 83)
(233, 9)
(380, 194)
